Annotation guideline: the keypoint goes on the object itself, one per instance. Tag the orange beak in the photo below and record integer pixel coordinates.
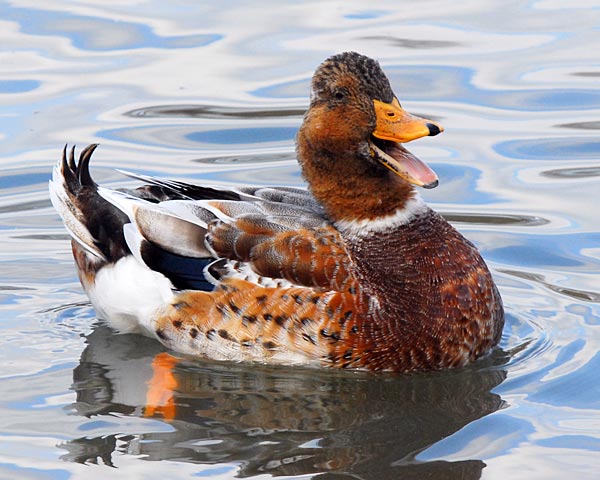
(394, 124)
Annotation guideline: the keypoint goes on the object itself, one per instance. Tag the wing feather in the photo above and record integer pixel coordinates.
(265, 235)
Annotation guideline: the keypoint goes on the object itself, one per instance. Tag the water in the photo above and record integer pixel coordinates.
(215, 93)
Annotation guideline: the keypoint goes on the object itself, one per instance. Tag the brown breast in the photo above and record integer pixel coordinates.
(431, 300)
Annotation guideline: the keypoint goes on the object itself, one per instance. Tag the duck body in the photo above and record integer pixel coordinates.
(357, 272)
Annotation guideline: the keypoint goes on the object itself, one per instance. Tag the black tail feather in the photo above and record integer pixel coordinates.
(83, 170)
(102, 219)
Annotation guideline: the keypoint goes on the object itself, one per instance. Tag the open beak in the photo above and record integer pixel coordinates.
(394, 126)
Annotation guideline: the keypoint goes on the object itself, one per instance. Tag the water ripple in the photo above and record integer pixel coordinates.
(213, 112)
(581, 172)
(581, 295)
(411, 43)
(591, 125)
(263, 157)
(495, 219)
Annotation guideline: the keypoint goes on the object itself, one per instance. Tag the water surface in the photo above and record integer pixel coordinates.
(215, 93)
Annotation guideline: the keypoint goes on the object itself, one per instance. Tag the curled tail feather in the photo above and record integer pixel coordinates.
(95, 224)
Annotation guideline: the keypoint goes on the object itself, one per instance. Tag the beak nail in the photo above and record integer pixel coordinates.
(433, 131)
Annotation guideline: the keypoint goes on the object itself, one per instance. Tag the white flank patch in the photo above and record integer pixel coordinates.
(130, 296)
(415, 207)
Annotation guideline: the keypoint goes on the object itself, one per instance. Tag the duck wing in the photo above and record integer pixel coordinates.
(271, 236)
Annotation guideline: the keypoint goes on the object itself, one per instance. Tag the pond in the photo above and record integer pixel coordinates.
(214, 92)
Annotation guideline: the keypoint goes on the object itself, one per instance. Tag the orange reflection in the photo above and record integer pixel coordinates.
(161, 387)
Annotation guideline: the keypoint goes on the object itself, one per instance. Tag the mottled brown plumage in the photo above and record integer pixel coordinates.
(358, 273)
(312, 257)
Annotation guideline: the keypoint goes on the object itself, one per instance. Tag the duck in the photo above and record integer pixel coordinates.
(355, 271)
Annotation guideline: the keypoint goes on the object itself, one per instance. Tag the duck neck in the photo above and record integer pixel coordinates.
(355, 192)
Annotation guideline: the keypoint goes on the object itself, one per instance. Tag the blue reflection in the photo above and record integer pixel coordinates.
(18, 86)
(216, 471)
(25, 179)
(557, 99)
(571, 442)
(39, 473)
(550, 148)
(545, 250)
(533, 255)
(578, 389)
(97, 424)
(495, 426)
(458, 184)
(233, 136)
(366, 14)
(99, 34)
(589, 316)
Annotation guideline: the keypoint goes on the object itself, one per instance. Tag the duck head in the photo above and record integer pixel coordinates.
(355, 128)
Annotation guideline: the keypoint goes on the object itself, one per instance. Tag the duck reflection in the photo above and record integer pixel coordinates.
(273, 420)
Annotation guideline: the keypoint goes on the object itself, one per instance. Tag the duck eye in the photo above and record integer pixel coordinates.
(391, 114)
(339, 95)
